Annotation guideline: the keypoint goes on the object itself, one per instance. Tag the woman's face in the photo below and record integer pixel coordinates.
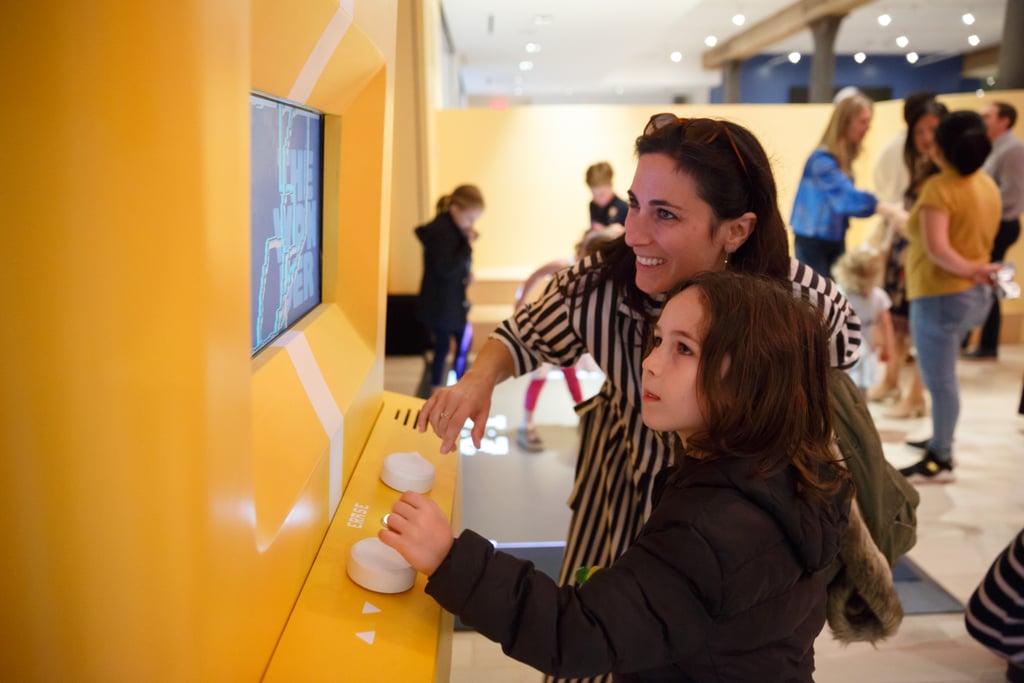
(671, 230)
(859, 125)
(924, 133)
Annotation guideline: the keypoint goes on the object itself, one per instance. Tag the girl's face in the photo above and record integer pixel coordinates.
(859, 125)
(924, 133)
(670, 228)
(669, 396)
(465, 217)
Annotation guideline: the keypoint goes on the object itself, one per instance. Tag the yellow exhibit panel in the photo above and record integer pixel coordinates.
(341, 631)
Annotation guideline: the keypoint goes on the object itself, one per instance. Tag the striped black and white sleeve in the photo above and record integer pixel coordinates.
(995, 612)
(843, 323)
(543, 330)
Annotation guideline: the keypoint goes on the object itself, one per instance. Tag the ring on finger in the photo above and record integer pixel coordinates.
(445, 414)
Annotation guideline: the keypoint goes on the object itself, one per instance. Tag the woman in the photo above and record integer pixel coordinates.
(447, 262)
(826, 196)
(921, 123)
(950, 231)
(703, 198)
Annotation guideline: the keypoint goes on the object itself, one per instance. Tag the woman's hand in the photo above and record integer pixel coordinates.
(449, 407)
(419, 531)
(982, 274)
(447, 410)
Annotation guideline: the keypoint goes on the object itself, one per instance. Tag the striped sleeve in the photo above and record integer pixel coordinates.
(995, 612)
(543, 330)
(843, 323)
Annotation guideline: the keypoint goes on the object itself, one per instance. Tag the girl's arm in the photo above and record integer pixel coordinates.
(843, 196)
(888, 346)
(935, 231)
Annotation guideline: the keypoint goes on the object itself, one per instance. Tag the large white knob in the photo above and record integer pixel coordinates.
(378, 567)
(407, 472)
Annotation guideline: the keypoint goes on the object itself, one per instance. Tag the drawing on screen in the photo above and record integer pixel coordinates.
(286, 216)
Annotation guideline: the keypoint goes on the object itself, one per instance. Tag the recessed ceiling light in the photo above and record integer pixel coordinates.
(526, 65)
(979, 92)
(711, 41)
(794, 57)
(533, 47)
(991, 80)
(968, 18)
(912, 57)
(902, 41)
(676, 56)
(738, 19)
(860, 57)
(884, 19)
(973, 40)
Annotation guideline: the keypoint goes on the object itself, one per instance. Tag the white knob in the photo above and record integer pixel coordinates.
(378, 567)
(407, 472)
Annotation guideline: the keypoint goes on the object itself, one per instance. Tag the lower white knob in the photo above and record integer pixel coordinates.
(378, 567)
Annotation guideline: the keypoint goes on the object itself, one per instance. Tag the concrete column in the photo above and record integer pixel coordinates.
(823, 63)
(731, 72)
(1011, 51)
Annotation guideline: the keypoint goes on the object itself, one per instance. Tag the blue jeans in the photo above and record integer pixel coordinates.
(817, 253)
(937, 323)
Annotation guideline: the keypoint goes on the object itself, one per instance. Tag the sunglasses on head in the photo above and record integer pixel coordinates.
(701, 130)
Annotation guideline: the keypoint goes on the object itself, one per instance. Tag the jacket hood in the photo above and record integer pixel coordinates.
(814, 529)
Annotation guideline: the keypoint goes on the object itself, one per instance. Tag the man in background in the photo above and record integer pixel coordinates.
(1006, 166)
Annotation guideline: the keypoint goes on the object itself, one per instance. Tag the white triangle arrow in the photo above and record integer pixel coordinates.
(367, 636)
(370, 609)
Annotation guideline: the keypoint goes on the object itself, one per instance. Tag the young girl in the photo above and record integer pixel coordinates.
(724, 582)
(856, 273)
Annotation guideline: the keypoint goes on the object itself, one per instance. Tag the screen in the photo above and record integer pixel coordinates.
(286, 220)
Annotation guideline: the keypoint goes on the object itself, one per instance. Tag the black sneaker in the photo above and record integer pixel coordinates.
(920, 445)
(929, 470)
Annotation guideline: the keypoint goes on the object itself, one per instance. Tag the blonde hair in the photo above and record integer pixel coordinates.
(857, 271)
(464, 197)
(834, 139)
(599, 174)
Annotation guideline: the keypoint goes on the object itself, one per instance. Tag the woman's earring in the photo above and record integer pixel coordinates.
(727, 252)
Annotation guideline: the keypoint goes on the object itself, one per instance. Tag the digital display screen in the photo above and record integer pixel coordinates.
(286, 221)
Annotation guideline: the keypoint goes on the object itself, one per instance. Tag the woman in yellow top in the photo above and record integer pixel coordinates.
(950, 231)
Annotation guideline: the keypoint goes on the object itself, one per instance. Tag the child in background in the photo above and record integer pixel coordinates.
(527, 437)
(606, 209)
(724, 582)
(857, 272)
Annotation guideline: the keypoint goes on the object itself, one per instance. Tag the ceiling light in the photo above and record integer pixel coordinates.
(711, 41)
(526, 65)
(902, 41)
(912, 57)
(968, 18)
(991, 80)
(739, 19)
(676, 56)
(533, 47)
(979, 92)
(973, 40)
(860, 57)
(794, 57)
(884, 19)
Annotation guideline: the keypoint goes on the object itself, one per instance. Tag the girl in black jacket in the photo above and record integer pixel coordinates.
(724, 581)
(442, 304)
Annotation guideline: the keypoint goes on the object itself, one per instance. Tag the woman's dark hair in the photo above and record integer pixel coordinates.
(733, 175)
(961, 137)
(763, 381)
(919, 166)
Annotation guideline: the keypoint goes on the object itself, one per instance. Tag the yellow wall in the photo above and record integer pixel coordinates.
(530, 162)
(163, 493)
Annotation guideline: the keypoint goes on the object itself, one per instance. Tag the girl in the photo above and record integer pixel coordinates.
(856, 273)
(725, 581)
(447, 264)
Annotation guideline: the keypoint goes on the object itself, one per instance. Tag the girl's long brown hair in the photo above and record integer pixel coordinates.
(763, 381)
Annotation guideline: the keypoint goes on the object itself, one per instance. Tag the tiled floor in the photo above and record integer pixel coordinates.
(961, 526)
